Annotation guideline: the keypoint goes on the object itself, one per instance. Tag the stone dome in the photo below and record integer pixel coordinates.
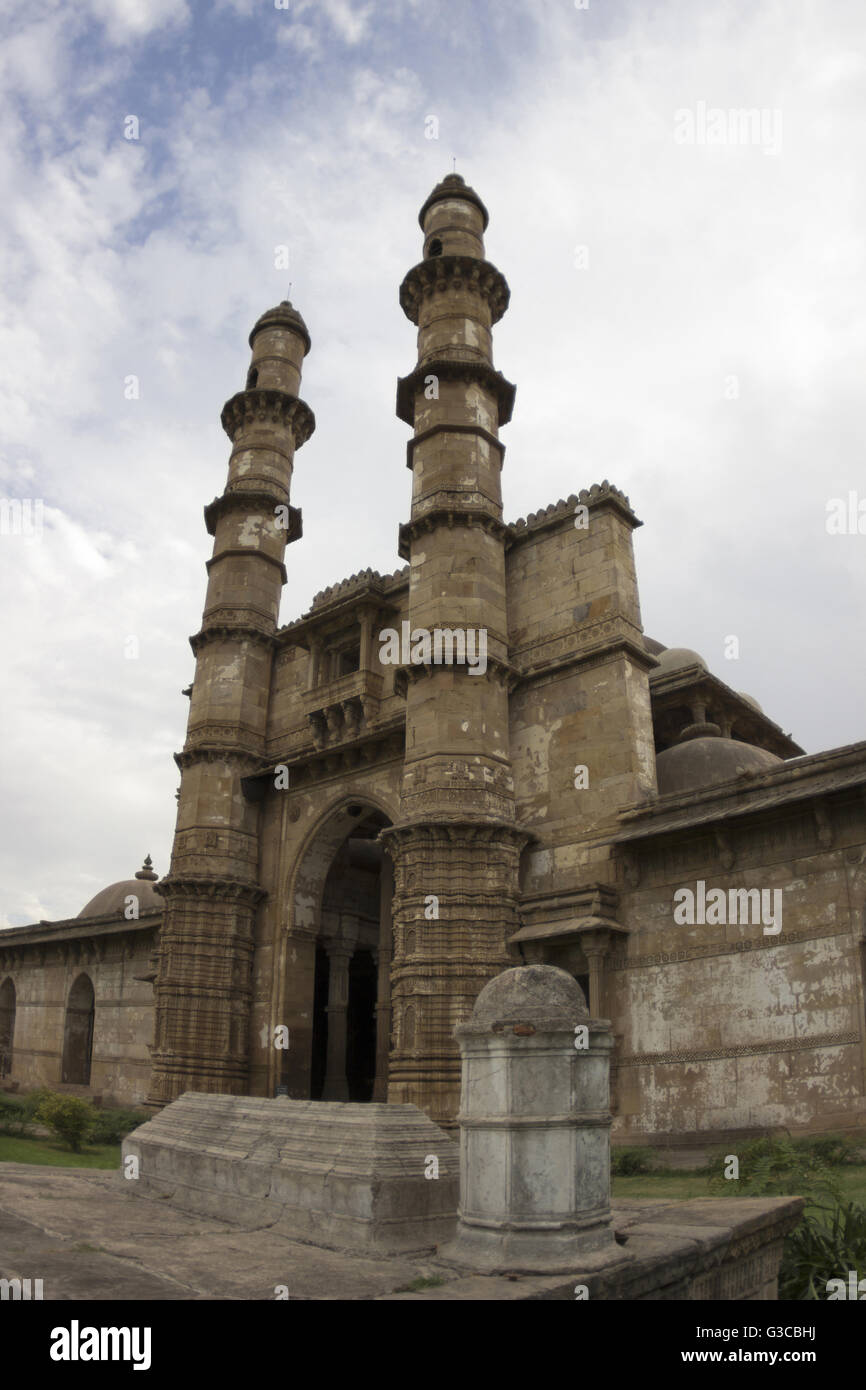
(750, 700)
(112, 900)
(653, 647)
(673, 659)
(701, 762)
(453, 186)
(283, 315)
(530, 994)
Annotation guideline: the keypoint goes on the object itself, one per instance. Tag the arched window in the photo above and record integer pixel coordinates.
(78, 1033)
(7, 1026)
(435, 247)
(252, 378)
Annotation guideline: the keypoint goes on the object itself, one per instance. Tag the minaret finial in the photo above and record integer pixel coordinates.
(147, 871)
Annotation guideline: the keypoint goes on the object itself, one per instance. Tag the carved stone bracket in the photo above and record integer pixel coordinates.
(442, 273)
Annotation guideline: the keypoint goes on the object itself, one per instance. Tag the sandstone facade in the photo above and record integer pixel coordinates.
(367, 833)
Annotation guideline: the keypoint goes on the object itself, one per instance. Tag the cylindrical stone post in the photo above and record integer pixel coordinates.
(534, 1127)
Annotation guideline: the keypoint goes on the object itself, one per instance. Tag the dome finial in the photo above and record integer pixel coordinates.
(147, 871)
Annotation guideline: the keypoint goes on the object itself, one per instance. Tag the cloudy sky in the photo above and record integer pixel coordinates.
(687, 320)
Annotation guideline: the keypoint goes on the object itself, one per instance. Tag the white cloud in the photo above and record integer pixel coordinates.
(155, 258)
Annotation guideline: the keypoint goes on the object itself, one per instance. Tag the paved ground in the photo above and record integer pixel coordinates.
(87, 1236)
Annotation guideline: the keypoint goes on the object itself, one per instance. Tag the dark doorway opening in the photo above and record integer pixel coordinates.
(361, 1027)
(78, 1034)
(320, 1024)
(7, 1026)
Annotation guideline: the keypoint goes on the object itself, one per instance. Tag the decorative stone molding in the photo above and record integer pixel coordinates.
(550, 654)
(448, 516)
(451, 369)
(498, 673)
(277, 409)
(238, 500)
(441, 274)
(217, 753)
(229, 890)
(221, 631)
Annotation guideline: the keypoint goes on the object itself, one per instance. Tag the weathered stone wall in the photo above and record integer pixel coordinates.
(43, 976)
(726, 1027)
(584, 701)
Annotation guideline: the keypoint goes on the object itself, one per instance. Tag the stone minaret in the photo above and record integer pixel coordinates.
(456, 846)
(203, 984)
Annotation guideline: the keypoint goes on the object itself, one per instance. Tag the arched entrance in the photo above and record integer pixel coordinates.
(78, 1033)
(337, 986)
(7, 1026)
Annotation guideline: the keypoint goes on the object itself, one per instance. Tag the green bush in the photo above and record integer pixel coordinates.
(112, 1126)
(773, 1167)
(18, 1113)
(832, 1149)
(71, 1119)
(829, 1241)
(15, 1118)
(628, 1163)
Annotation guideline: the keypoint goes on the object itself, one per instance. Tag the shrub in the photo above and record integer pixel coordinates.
(112, 1126)
(71, 1119)
(832, 1149)
(14, 1116)
(18, 1113)
(829, 1241)
(774, 1167)
(628, 1163)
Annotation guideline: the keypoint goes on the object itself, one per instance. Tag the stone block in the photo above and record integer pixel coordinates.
(344, 1176)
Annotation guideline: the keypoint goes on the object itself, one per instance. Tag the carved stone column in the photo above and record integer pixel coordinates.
(382, 956)
(336, 1086)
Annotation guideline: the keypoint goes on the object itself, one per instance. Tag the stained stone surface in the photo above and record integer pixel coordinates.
(93, 1235)
(534, 1128)
(347, 1176)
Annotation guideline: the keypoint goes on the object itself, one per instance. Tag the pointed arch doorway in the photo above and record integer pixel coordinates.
(337, 985)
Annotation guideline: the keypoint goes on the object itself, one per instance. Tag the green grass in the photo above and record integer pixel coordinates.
(52, 1154)
(679, 1186)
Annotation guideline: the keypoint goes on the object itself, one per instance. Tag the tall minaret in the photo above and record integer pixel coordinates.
(456, 846)
(203, 984)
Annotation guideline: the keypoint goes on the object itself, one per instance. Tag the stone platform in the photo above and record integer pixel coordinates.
(88, 1236)
(345, 1176)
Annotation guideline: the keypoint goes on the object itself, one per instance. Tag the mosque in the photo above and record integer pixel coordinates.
(367, 834)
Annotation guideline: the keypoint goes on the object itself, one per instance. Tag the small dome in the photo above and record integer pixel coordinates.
(530, 994)
(283, 315)
(750, 700)
(653, 647)
(701, 762)
(673, 659)
(112, 900)
(453, 186)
